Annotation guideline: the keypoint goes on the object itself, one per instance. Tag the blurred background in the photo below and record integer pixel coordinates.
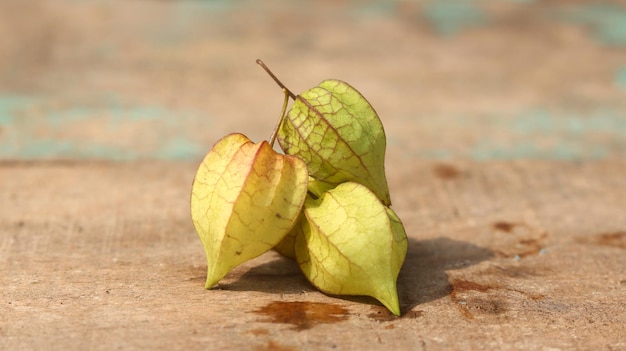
(451, 79)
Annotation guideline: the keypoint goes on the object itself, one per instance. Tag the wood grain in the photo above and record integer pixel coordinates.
(102, 255)
(505, 159)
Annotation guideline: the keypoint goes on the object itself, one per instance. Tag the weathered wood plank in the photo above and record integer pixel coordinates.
(502, 255)
(450, 79)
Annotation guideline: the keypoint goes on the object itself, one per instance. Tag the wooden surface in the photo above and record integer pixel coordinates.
(521, 255)
(506, 162)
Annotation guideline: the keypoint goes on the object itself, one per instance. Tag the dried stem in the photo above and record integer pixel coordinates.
(282, 117)
(280, 84)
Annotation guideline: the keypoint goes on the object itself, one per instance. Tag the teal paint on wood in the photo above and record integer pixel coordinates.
(180, 148)
(563, 150)
(620, 78)
(375, 8)
(109, 128)
(9, 107)
(607, 21)
(601, 120)
(557, 135)
(49, 148)
(450, 17)
(103, 128)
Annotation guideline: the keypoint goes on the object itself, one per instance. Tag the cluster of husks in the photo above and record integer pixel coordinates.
(324, 203)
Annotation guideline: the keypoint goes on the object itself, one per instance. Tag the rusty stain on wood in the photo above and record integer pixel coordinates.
(302, 315)
(504, 226)
(611, 239)
(446, 171)
(527, 240)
